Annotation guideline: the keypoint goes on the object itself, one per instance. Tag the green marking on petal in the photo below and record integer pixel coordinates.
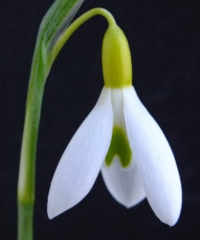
(119, 146)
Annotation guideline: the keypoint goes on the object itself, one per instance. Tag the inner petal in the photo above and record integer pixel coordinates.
(119, 147)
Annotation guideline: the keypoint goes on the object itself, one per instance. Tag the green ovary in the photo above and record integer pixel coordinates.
(119, 147)
(116, 59)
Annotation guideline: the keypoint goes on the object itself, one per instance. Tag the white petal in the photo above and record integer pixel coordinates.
(124, 184)
(82, 159)
(154, 159)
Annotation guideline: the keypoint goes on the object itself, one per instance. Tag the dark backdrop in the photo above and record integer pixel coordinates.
(164, 38)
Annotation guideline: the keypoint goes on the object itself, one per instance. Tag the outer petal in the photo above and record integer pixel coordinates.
(154, 159)
(82, 159)
(124, 184)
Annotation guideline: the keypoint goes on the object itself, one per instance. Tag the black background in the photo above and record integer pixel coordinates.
(164, 37)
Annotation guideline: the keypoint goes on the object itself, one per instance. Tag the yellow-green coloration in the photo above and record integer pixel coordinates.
(116, 58)
(119, 146)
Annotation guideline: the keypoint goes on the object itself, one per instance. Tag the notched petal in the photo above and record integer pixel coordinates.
(124, 184)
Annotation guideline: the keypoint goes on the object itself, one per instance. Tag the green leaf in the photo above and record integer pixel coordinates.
(57, 19)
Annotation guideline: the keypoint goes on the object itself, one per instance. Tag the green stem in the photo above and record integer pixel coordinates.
(25, 222)
(64, 37)
(26, 182)
(43, 58)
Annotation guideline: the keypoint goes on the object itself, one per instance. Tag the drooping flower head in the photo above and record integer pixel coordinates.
(120, 139)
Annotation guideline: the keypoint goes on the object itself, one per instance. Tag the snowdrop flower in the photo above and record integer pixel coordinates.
(120, 139)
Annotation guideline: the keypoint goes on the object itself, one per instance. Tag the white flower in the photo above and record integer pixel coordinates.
(151, 172)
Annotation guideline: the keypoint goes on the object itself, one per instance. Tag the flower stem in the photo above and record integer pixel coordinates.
(64, 37)
(45, 54)
(25, 222)
(26, 182)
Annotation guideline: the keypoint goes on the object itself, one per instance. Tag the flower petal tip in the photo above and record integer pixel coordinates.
(52, 212)
(130, 204)
(173, 212)
(174, 218)
(50, 215)
(125, 204)
(171, 221)
(58, 202)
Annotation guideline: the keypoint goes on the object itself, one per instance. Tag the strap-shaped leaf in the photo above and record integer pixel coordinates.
(58, 18)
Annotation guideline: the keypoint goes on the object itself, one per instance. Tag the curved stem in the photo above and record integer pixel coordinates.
(64, 37)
